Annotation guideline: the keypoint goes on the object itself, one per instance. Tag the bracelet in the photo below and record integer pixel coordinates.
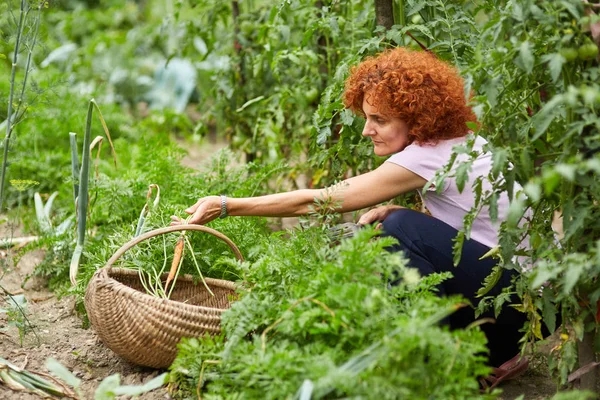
(223, 206)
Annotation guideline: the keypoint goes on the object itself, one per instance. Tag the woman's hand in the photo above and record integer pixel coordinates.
(377, 214)
(205, 210)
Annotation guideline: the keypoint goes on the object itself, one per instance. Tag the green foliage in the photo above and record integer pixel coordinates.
(325, 314)
(538, 110)
(16, 314)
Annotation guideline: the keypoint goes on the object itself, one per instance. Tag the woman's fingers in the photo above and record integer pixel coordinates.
(175, 220)
(192, 209)
(197, 212)
(376, 214)
(205, 210)
(366, 218)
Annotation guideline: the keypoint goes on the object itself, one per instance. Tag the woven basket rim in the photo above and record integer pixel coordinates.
(103, 277)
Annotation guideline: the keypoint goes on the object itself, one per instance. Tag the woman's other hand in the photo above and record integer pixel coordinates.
(377, 214)
(205, 210)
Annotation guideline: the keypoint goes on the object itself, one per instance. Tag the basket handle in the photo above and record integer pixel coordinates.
(168, 229)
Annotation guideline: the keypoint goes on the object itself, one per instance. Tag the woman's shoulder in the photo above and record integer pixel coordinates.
(433, 156)
(439, 149)
(468, 143)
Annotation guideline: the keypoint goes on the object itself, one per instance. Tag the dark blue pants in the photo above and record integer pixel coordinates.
(427, 243)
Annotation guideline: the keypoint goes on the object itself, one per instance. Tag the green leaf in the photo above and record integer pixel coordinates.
(551, 179)
(106, 389)
(347, 117)
(491, 280)
(526, 56)
(499, 302)
(493, 208)
(61, 372)
(491, 90)
(249, 102)
(421, 28)
(579, 328)
(415, 7)
(533, 190)
(515, 211)
(572, 9)
(571, 277)
(555, 62)
(324, 134)
(517, 11)
(294, 58)
(541, 275)
(574, 395)
(136, 390)
(462, 175)
(593, 164)
(549, 310)
(568, 171)
(457, 247)
(472, 125)
(545, 116)
(499, 160)
(17, 300)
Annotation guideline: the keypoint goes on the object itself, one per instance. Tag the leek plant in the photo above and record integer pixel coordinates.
(82, 188)
(19, 379)
(63, 384)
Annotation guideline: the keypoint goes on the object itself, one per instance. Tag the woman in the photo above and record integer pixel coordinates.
(415, 111)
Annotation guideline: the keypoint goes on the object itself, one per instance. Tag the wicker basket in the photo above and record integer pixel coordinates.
(145, 329)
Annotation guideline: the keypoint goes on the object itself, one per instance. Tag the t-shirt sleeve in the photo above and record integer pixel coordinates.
(422, 160)
(416, 159)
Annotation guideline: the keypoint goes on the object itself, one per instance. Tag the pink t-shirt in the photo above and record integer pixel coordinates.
(450, 205)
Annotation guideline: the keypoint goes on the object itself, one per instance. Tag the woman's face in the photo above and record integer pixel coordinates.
(389, 134)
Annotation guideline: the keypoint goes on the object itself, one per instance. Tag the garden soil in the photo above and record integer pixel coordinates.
(60, 334)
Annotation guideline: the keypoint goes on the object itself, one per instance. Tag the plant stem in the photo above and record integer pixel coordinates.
(29, 55)
(401, 13)
(74, 165)
(82, 198)
(6, 292)
(197, 267)
(10, 102)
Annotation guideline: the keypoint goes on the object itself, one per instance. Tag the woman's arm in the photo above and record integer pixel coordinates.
(384, 183)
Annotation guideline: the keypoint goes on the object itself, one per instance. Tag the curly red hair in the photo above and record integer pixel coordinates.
(415, 86)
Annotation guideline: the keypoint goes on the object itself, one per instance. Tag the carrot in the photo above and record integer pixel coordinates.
(177, 255)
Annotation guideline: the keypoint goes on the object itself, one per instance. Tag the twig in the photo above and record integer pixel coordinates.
(9, 242)
(199, 386)
(10, 101)
(27, 66)
(591, 5)
(582, 371)
(26, 361)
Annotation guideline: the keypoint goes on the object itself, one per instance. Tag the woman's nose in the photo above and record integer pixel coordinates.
(368, 129)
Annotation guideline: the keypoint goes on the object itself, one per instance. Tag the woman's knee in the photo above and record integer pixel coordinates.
(399, 218)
